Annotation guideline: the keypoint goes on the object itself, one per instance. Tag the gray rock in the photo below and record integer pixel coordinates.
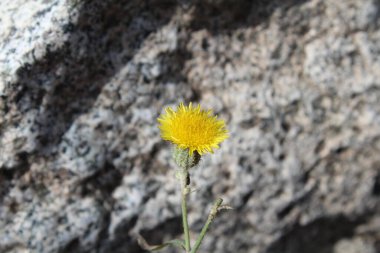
(82, 165)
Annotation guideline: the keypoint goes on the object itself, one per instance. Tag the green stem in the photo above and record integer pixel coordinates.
(184, 210)
(211, 217)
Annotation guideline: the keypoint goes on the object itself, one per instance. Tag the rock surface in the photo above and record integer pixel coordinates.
(82, 166)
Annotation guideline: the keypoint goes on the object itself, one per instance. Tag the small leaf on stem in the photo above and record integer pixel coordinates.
(144, 244)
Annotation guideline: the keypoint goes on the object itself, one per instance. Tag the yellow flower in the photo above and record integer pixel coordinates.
(192, 128)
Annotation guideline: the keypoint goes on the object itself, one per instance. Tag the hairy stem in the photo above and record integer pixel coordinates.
(211, 217)
(185, 192)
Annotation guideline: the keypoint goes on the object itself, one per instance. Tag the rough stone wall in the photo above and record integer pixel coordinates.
(82, 166)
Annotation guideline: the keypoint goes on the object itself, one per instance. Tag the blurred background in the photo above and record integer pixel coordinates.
(82, 165)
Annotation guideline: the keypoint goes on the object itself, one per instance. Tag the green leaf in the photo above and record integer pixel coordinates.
(143, 244)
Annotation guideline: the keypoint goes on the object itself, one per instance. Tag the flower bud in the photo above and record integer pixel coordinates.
(184, 159)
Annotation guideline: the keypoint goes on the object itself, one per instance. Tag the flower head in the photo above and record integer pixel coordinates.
(192, 128)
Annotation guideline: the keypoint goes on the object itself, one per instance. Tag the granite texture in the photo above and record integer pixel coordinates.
(82, 166)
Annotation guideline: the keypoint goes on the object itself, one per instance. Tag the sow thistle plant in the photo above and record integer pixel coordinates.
(193, 132)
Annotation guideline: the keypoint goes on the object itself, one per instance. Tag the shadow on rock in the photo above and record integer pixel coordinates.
(66, 82)
(222, 16)
(318, 237)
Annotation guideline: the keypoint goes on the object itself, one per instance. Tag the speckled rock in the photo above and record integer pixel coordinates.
(82, 166)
